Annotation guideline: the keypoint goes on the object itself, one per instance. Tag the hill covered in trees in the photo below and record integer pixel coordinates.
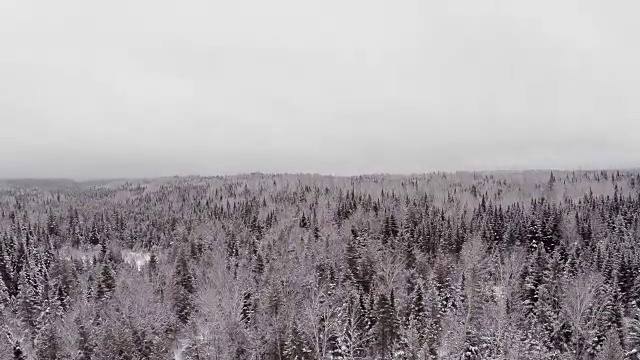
(531, 265)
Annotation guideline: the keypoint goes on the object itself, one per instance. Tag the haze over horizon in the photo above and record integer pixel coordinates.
(159, 88)
(531, 171)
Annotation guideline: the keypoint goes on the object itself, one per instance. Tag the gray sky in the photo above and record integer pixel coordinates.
(157, 87)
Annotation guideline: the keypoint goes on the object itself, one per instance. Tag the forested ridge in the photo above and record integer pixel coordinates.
(529, 265)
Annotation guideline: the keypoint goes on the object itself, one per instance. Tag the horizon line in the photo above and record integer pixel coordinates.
(356, 175)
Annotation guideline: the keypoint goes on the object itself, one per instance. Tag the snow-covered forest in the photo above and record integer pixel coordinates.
(530, 265)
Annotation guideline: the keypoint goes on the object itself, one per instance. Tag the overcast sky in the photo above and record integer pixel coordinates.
(156, 87)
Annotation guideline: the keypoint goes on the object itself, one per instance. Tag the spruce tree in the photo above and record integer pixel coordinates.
(184, 289)
(107, 282)
(248, 308)
(418, 313)
(386, 327)
(49, 345)
(153, 264)
(4, 297)
(29, 300)
(611, 348)
(353, 330)
(296, 347)
(85, 345)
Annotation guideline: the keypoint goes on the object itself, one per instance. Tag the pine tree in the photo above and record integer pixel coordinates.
(414, 332)
(316, 232)
(184, 289)
(63, 289)
(94, 237)
(295, 347)
(4, 297)
(410, 256)
(303, 221)
(52, 225)
(611, 349)
(353, 335)
(614, 314)
(547, 306)
(531, 278)
(633, 337)
(393, 226)
(534, 233)
(552, 181)
(248, 308)
(7, 275)
(48, 344)
(85, 345)
(90, 289)
(353, 257)
(153, 264)
(386, 328)
(258, 267)
(194, 350)
(107, 282)
(29, 299)
(418, 313)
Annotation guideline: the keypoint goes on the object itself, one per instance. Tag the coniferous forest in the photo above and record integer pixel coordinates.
(527, 265)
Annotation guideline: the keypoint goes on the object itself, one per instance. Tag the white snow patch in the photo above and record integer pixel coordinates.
(72, 254)
(139, 259)
(179, 348)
